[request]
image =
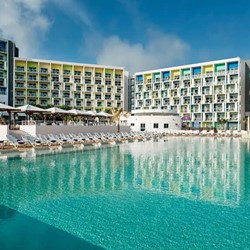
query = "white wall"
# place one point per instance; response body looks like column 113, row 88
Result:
column 174, row 122
column 4, row 130
column 30, row 129
column 66, row 129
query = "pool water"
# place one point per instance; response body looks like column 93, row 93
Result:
column 183, row 193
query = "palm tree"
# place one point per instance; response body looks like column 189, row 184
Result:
column 223, row 122
column 116, row 115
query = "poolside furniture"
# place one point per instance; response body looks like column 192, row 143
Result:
column 203, row 133
column 228, row 133
column 15, row 142
column 236, row 133
column 211, row 133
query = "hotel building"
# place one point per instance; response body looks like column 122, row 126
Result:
column 82, row 86
column 8, row 51
column 209, row 94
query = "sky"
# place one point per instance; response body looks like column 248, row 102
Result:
column 135, row 34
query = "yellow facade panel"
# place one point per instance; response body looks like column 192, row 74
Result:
column 208, row 68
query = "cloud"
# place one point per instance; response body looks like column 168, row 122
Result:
column 75, row 11
column 159, row 50
column 24, row 22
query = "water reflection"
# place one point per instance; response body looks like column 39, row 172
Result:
column 197, row 168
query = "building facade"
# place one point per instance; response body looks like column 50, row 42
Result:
column 154, row 120
column 81, row 86
column 209, row 94
column 131, row 93
column 8, row 51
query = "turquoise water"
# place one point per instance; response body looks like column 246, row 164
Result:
column 183, row 193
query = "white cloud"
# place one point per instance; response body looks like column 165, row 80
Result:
column 160, row 50
column 24, row 22
column 75, row 11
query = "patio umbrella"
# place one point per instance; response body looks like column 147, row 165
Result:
column 56, row 110
column 104, row 114
column 91, row 113
column 30, row 109
column 77, row 112
column 9, row 109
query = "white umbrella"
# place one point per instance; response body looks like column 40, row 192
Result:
column 31, row 109
column 56, row 110
column 92, row 113
column 77, row 112
column 102, row 113
column 4, row 107
column 9, row 109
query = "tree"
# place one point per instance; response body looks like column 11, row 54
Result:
column 223, row 122
column 116, row 115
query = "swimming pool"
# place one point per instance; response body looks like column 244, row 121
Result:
column 183, row 193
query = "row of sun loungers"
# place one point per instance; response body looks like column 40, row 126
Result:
column 52, row 140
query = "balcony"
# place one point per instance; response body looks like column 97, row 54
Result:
column 2, row 49
column 32, row 70
column 19, row 103
column 66, row 72
column 118, row 76
column 20, row 94
column 209, row 73
column 98, row 82
column 197, row 76
column 66, row 96
column 44, row 71
column 44, row 79
column 98, row 75
column 56, row 87
column 186, row 76
column 66, row 80
column 44, row 87
column 20, row 86
column 233, row 118
column 88, row 74
column 31, row 94
column 77, row 73
column 233, row 71
column 88, row 81
column 55, row 72
column 20, row 78
column 32, row 87
column 32, row 79
column 220, row 72
column 77, row 81
column 43, row 95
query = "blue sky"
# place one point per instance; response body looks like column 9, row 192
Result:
column 135, row 34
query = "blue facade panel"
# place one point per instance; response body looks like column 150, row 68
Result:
column 139, row 78
column 196, row 70
column 232, row 65
column 166, row 74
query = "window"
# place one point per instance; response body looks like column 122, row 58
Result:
column 165, row 125
column 142, row 126
column 132, row 124
column 156, row 125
